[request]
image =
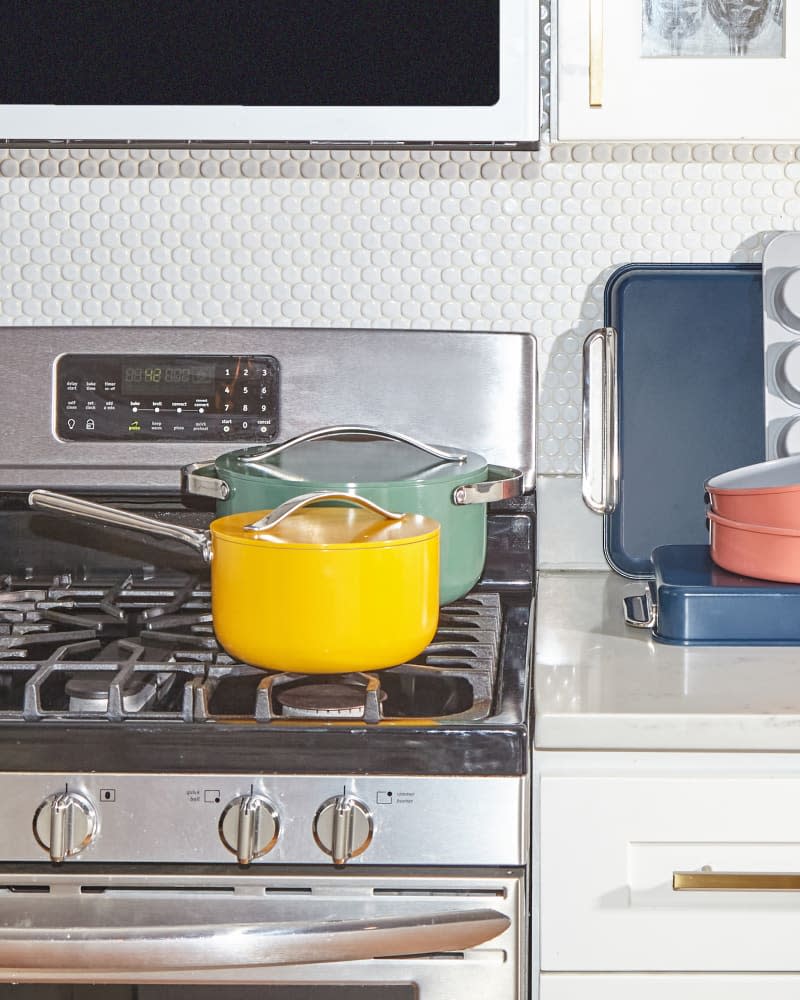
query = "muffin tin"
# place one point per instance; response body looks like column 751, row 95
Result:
column 781, row 274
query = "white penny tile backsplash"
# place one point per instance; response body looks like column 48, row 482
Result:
column 434, row 239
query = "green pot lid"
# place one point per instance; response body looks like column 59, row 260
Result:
column 349, row 463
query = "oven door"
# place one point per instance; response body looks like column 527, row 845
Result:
column 323, row 937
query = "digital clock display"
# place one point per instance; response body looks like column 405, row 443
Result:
column 167, row 380
column 167, row 397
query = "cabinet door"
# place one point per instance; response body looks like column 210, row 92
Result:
column 670, row 874
column 643, row 987
column 676, row 96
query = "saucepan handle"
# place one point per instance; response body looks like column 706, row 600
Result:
column 601, row 448
column 63, row 504
column 344, row 430
column 305, row 499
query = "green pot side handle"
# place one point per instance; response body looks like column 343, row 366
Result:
column 200, row 479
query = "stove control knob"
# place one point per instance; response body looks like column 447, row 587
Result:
column 65, row 824
column 343, row 828
column 249, row 827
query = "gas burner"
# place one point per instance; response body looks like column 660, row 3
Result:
column 353, row 697
column 90, row 693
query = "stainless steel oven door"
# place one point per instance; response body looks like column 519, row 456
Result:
column 161, row 936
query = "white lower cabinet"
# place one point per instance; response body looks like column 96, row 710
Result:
column 554, row 986
column 668, row 863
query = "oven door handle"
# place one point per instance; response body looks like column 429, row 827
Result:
column 210, row 946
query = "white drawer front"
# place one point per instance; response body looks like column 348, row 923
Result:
column 610, row 847
column 564, row 986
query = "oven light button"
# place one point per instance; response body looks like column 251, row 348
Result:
column 65, row 824
column 343, row 828
column 249, row 827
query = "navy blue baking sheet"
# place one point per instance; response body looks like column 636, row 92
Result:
column 691, row 397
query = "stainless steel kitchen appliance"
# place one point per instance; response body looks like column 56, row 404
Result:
column 175, row 822
column 202, row 72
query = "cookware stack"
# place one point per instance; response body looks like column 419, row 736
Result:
column 673, row 399
column 754, row 516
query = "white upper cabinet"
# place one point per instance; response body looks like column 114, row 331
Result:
column 677, row 69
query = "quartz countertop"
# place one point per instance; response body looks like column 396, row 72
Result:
column 600, row 684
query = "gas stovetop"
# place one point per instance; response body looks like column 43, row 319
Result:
column 116, row 659
column 141, row 645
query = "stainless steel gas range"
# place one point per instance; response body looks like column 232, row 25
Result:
column 174, row 821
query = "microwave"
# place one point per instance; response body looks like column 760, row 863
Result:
column 269, row 73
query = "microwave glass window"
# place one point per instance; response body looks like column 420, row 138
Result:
column 356, row 53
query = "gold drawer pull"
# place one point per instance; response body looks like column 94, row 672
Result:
column 735, row 881
column 595, row 53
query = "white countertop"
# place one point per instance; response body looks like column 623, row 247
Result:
column 600, row 684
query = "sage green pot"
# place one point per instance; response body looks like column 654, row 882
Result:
column 448, row 485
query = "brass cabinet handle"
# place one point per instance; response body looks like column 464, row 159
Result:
column 735, row 881
column 595, row 53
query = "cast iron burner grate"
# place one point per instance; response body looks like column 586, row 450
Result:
column 142, row 645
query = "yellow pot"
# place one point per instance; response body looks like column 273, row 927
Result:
column 309, row 590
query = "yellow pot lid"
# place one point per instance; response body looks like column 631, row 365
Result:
column 327, row 527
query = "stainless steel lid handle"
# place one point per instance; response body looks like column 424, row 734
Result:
column 601, row 468
column 343, row 430
column 305, row 499
column 199, row 479
column 60, row 503
column 503, row 484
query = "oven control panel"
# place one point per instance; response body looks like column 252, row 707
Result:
column 269, row 819
column 160, row 397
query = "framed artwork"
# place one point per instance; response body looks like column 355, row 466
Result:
column 677, row 70
column 713, row 28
